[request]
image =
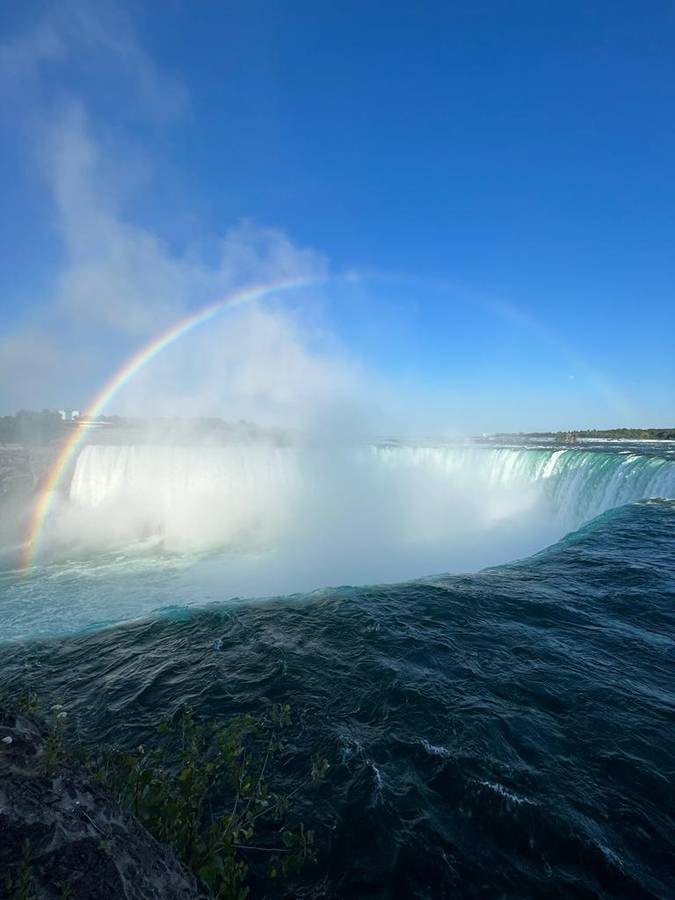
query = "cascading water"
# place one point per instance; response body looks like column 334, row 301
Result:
column 190, row 496
column 241, row 494
column 147, row 526
column 508, row 728
column 577, row 484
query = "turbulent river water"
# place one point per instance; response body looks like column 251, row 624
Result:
column 498, row 732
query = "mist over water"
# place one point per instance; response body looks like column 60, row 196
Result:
column 507, row 733
column 146, row 526
column 407, row 503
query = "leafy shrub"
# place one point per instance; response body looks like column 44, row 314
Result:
column 171, row 791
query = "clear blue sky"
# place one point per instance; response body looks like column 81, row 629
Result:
column 504, row 171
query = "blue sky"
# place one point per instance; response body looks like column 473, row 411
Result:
column 495, row 178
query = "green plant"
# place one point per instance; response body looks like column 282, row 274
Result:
column 320, row 767
column 66, row 891
column 25, row 702
column 20, row 887
column 28, row 702
column 55, row 751
column 172, row 791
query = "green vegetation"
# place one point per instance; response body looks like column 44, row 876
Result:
column 635, row 434
column 28, row 427
column 173, row 789
column 170, row 791
column 19, row 886
column 33, row 428
column 55, row 750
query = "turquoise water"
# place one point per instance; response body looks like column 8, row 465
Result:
column 144, row 528
column 506, row 732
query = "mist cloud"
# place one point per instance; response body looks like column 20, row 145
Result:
column 119, row 282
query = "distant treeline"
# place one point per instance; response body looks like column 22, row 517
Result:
column 45, row 427
column 635, row 434
column 29, row 427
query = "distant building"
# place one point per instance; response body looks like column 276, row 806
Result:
column 69, row 415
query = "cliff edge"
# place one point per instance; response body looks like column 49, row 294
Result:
column 62, row 836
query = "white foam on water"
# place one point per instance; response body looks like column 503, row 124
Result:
column 147, row 527
column 445, row 507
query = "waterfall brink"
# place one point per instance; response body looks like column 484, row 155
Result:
column 575, row 484
column 231, row 493
column 259, row 497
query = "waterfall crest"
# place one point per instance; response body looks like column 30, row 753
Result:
column 255, row 496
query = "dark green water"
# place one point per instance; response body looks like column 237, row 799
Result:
column 508, row 733
column 505, row 734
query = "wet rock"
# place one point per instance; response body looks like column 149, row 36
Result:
column 75, row 841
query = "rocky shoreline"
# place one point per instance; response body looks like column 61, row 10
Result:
column 62, row 836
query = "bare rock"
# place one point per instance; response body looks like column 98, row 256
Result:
column 80, row 843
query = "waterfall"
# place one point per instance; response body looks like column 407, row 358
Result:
column 576, row 484
column 388, row 495
column 187, row 494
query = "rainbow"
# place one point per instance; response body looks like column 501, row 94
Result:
column 118, row 381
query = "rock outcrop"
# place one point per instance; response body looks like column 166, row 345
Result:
column 65, row 837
